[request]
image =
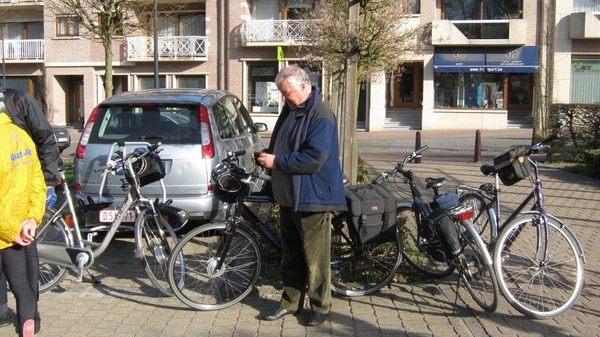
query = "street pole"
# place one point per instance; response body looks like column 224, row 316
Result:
column 156, row 85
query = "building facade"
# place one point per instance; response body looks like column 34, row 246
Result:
column 482, row 68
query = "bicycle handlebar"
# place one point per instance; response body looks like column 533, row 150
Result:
column 536, row 147
column 131, row 157
column 414, row 155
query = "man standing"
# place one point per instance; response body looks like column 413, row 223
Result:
column 303, row 157
column 26, row 113
column 22, row 199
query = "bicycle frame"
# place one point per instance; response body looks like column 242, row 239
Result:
column 79, row 255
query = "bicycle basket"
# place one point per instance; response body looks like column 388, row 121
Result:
column 512, row 165
column 226, row 185
column 148, row 169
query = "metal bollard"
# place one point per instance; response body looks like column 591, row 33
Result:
column 477, row 156
column 418, row 146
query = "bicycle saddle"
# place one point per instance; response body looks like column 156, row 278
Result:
column 434, row 182
column 487, row 170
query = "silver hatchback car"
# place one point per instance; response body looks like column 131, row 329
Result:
column 196, row 127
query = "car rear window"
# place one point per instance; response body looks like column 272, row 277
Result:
column 170, row 125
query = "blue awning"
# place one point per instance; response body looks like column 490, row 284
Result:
column 459, row 60
column 523, row 59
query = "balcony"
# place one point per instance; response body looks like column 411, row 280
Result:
column 276, row 32
column 20, row 4
column 479, row 32
column 174, row 48
column 584, row 25
column 22, row 50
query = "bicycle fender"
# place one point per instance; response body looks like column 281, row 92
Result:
column 469, row 226
column 565, row 228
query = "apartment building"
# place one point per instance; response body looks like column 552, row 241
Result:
column 480, row 70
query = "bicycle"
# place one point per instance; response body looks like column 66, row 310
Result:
column 537, row 258
column 217, row 265
column 430, row 245
column 61, row 242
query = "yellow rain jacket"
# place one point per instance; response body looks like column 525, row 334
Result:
column 22, row 184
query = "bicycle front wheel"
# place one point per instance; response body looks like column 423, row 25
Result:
column 415, row 248
column 154, row 242
column 482, row 215
column 56, row 233
column 360, row 269
column 476, row 269
column 193, row 272
column 538, row 287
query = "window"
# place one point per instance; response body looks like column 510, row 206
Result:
column 191, row 82
column 182, row 25
column 464, row 90
column 231, row 118
column 67, row 25
column 586, row 6
column 296, row 7
column 147, row 82
column 585, row 81
column 262, row 92
column 482, row 9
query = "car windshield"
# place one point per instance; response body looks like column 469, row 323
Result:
column 175, row 124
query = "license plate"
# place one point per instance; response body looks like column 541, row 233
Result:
column 63, row 139
column 108, row 215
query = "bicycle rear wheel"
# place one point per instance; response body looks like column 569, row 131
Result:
column 154, row 243
column 538, row 288
column 415, row 248
column 55, row 233
column 360, row 269
column 476, row 270
column 482, row 215
column 192, row 270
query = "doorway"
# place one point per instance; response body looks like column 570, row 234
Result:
column 405, row 87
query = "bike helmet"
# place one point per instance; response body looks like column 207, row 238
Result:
column 227, row 186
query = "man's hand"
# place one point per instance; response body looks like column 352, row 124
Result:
column 50, row 196
column 266, row 160
column 27, row 234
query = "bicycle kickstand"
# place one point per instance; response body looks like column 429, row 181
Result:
column 456, row 293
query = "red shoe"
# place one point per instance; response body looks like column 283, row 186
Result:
column 28, row 329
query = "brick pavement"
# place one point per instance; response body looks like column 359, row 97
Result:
column 126, row 304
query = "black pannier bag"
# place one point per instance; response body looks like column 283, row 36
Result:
column 512, row 165
column 441, row 234
column 149, row 168
column 372, row 211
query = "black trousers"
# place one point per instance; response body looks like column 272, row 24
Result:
column 14, row 265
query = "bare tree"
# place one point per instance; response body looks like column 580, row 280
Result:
column 109, row 18
column 358, row 40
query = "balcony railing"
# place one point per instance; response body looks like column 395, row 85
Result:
column 169, row 48
column 482, row 32
column 22, row 50
column 19, row 1
column 276, row 32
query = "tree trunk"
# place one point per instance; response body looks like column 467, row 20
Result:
column 108, row 68
column 349, row 151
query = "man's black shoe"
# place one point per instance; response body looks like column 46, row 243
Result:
column 6, row 319
column 316, row 318
column 278, row 314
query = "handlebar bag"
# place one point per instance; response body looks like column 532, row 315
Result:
column 372, row 212
column 512, row 165
column 149, row 169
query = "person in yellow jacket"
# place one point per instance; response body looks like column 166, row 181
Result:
column 22, row 206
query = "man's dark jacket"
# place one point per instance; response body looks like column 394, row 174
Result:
column 26, row 113
column 314, row 161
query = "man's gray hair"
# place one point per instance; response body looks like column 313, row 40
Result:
column 294, row 74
